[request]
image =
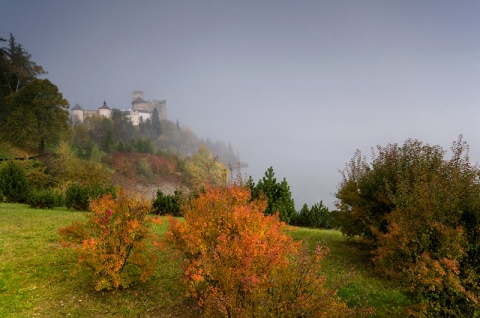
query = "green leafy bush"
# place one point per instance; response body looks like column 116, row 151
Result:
column 421, row 214
column 45, row 199
column 13, row 183
column 67, row 168
column 78, row 196
column 168, row 204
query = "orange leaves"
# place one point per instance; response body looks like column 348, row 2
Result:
column 239, row 262
column 113, row 241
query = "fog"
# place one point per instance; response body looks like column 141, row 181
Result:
column 297, row 85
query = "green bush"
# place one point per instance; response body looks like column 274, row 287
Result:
column 167, row 204
column 14, row 183
column 45, row 199
column 78, row 196
column 421, row 214
column 37, row 174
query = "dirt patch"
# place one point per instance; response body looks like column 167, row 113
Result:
column 148, row 189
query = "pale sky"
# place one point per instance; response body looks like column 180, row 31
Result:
column 297, row 85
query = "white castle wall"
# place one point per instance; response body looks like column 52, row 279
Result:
column 140, row 111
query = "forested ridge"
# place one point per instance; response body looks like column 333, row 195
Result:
column 35, row 124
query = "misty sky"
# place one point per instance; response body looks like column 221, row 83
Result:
column 297, row 85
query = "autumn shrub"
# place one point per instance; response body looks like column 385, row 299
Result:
column 13, row 182
column 203, row 169
column 165, row 204
column 239, row 262
column 45, row 198
column 421, row 214
column 115, row 241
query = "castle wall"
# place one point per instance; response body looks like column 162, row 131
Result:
column 146, row 107
column 89, row 113
column 161, row 106
column 136, row 117
column 105, row 113
column 77, row 116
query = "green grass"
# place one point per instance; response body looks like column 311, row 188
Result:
column 38, row 279
column 350, row 271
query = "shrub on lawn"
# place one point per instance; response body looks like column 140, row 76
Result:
column 78, row 196
column 421, row 214
column 165, row 204
column 13, row 183
column 115, row 241
column 45, row 199
column 239, row 262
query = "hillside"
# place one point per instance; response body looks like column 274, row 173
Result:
column 144, row 174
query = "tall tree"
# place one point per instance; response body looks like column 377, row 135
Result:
column 16, row 70
column 277, row 193
column 21, row 69
column 156, row 125
column 39, row 116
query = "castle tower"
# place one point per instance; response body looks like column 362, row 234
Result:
column 77, row 114
column 137, row 94
column 105, row 111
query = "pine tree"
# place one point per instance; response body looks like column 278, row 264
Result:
column 278, row 195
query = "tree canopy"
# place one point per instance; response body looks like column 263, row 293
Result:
column 38, row 116
column 16, row 70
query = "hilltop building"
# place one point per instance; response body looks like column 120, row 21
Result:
column 141, row 110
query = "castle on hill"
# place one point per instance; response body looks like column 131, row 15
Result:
column 141, row 110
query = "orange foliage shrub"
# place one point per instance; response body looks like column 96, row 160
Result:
column 240, row 263
column 115, row 241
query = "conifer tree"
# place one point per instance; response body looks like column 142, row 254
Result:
column 278, row 194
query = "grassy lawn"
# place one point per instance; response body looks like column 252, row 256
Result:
column 350, row 271
column 38, row 279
